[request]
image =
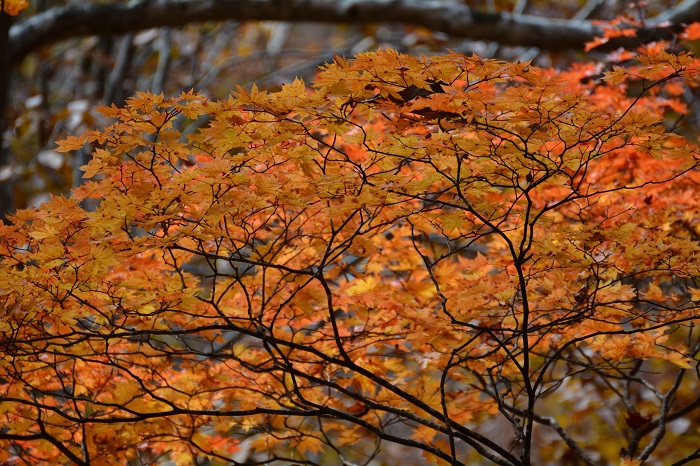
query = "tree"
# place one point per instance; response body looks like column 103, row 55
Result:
column 56, row 80
column 473, row 259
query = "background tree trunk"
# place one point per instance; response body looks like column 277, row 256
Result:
column 6, row 175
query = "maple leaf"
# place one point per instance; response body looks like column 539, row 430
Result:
column 691, row 31
column 630, row 462
column 71, row 143
column 14, row 7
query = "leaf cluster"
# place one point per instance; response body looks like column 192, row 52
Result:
column 413, row 251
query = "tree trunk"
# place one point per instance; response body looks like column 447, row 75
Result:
column 6, row 175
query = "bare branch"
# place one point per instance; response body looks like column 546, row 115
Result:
column 693, row 456
column 455, row 19
column 686, row 12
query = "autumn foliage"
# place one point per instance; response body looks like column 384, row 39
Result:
column 13, row 7
column 475, row 260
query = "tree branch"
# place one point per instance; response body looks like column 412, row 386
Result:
column 685, row 12
column 455, row 19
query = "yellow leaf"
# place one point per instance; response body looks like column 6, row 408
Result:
column 43, row 234
column 362, row 285
column 654, row 293
column 71, row 143
column 694, row 294
column 630, row 462
column 679, row 360
column 395, row 364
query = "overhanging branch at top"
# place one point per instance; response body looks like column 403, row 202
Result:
column 454, row 19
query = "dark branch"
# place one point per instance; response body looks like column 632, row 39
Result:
column 457, row 20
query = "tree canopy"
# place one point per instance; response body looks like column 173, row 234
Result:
column 59, row 59
column 470, row 258
column 451, row 258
